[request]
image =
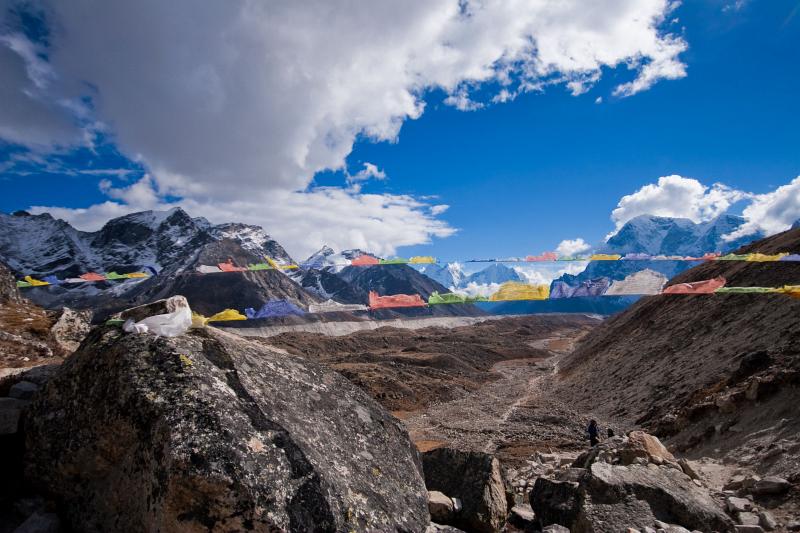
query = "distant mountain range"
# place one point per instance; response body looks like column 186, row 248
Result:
column 173, row 244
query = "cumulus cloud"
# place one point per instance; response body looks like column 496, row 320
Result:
column 771, row 212
column 225, row 101
column 677, row 197
column 572, row 246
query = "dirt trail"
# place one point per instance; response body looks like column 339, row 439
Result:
column 511, row 416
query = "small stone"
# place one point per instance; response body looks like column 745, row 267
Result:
column 440, row 507
column 748, row 529
column 688, row 469
column 771, row 485
column 735, row 483
column 631, row 530
column 24, row 390
column 457, row 505
column 738, row 505
column 747, row 519
column 793, row 526
column 555, row 528
column 697, row 482
column 767, row 521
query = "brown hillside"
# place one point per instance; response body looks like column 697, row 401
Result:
column 716, row 373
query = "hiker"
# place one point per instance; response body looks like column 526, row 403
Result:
column 594, row 433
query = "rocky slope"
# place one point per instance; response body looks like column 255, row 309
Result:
column 212, row 432
column 30, row 335
column 716, row 374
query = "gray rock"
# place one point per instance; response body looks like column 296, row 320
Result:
column 767, row 521
column 71, row 328
column 473, row 477
column 741, row 481
column 670, row 528
column 747, row 519
column 688, row 469
column 748, row 529
column 23, row 390
column 771, row 485
column 440, row 507
column 555, row 528
column 794, row 525
column 522, row 517
column 158, row 307
column 738, row 505
column 40, row 522
column 210, row 431
column 620, row 497
column 10, row 412
column 439, row 528
column 556, row 502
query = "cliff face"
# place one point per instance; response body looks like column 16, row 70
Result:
column 209, row 431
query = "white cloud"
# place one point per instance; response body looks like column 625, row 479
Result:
column 473, row 289
column 437, row 210
column 677, row 197
column 370, row 171
column 572, row 247
column 771, row 212
column 223, row 102
column 302, row 222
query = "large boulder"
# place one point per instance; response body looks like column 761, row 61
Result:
column 211, row 432
column 615, row 497
column 474, row 478
column 643, row 445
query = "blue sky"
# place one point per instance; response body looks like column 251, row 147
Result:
column 522, row 175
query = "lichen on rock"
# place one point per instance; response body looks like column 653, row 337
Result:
column 129, row 437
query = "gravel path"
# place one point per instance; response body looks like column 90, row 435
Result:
column 512, row 416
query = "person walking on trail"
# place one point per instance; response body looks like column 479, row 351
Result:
column 594, row 433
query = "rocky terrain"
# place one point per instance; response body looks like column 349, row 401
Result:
column 716, row 376
column 211, row 432
column 410, row 370
column 30, row 335
column 293, row 430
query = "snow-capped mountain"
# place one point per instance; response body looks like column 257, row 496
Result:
column 41, row 245
column 662, row 236
column 170, row 243
column 327, row 274
column 494, row 273
column 675, row 236
column 449, row 275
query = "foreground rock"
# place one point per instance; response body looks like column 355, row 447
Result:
column 626, row 483
column 212, row 432
column 475, row 479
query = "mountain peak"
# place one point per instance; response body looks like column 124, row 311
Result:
column 672, row 236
